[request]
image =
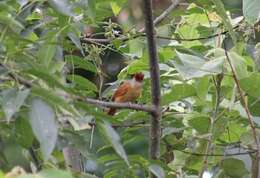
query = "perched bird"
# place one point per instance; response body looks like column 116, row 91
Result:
column 128, row 91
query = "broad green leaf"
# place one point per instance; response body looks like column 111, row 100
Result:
column 202, row 86
column 44, row 126
column 52, row 98
column 11, row 22
column 63, row 7
column 75, row 39
column 199, row 122
column 12, row 100
column 49, row 173
column 47, row 51
column 251, row 11
column 179, row 160
column 23, row 132
column 178, row 92
column 157, row 170
column 82, row 82
column 46, row 77
column 239, row 64
column 114, row 139
column 234, row 167
column 138, row 65
column 115, row 8
column 78, row 62
column 251, row 85
column 223, row 14
column 55, row 173
column 194, row 66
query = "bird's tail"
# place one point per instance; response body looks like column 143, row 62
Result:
column 111, row 111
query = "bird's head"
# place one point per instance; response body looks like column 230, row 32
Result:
column 139, row 76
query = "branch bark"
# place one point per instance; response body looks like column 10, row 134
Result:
column 139, row 107
column 155, row 129
column 256, row 173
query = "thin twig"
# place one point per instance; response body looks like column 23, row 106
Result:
column 245, row 104
column 164, row 14
column 124, row 39
column 155, row 129
column 217, row 155
column 213, row 119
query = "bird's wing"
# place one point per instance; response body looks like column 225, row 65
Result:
column 121, row 90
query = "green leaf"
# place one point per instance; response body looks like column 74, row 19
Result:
column 52, row 98
column 11, row 22
column 62, row 7
column 115, row 8
column 223, row 14
column 194, row 66
column 114, row 139
column 24, row 135
column 82, row 82
column 55, row 173
column 178, row 92
column 75, row 39
column 47, row 51
column 239, row 64
column 157, row 170
column 199, row 122
column 234, row 167
column 46, row 77
column 137, row 66
column 44, row 126
column 78, row 62
column 1, row 174
column 251, row 84
column 12, row 100
column 251, row 11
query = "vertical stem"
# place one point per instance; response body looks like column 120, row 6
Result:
column 217, row 81
column 249, row 116
column 155, row 129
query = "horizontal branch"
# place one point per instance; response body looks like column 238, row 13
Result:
column 139, row 107
column 123, row 39
column 217, row 155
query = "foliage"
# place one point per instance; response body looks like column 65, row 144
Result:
column 41, row 50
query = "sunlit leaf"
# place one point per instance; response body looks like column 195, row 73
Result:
column 115, row 8
column 251, row 11
column 157, row 170
column 194, row 67
column 223, row 14
column 55, row 173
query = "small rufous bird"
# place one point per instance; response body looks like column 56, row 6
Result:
column 128, row 91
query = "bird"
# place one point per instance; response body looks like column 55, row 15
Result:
column 128, row 91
